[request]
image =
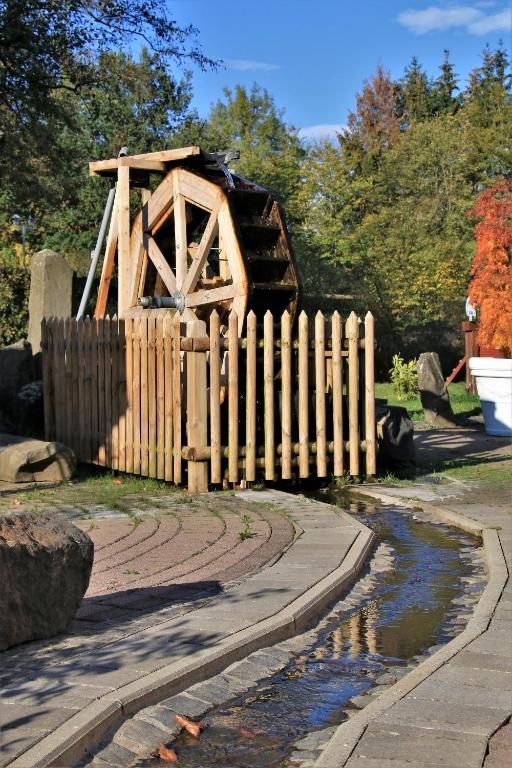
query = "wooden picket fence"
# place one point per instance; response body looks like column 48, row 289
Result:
column 161, row 398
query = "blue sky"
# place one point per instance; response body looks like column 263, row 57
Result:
column 313, row 56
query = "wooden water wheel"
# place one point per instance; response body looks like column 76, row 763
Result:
column 204, row 239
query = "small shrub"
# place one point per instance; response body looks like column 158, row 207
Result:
column 404, row 377
column 14, row 290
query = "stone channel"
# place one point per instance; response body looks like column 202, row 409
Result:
column 280, row 705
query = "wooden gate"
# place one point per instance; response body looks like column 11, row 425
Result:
column 158, row 397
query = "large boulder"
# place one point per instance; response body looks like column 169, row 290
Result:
column 24, row 460
column 45, row 566
column 434, row 392
column 395, row 438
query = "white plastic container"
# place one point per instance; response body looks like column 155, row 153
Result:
column 494, row 384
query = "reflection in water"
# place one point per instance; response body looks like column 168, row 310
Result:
column 399, row 618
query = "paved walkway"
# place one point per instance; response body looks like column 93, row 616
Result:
column 444, row 712
column 176, row 595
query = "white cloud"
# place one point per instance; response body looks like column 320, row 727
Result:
column 494, row 23
column 469, row 17
column 246, row 65
column 324, row 132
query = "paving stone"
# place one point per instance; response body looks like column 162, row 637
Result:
column 161, row 717
column 443, row 747
column 12, row 743
column 212, row 691
column 113, row 755
column 430, row 714
column 183, row 704
column 140, row 737
column 491, row 661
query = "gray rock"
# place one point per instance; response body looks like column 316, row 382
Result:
column 51, row 282
column 45, row 566
column 24, row 459
column 395, row 433
column 433, row 391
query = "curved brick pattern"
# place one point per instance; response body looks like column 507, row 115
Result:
column 138, row 533
column 104, row 533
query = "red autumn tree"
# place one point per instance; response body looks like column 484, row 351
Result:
column 490, row 288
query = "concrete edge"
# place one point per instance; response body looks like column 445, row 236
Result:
column 68, row 743
column 343, row 742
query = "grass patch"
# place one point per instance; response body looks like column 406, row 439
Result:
column 95, row 487
column 464, row 404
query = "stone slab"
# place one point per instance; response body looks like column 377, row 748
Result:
column 406, row 742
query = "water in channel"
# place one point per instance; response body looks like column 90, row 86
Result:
column 416, row 595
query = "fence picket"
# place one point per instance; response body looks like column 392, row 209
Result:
column 144, row 401
column 233, row 398
column 136, row 395
column 303, row 396
column 337, row 394
column 128, row 335
column 286, row 396
column 152, row 392
column 268, row 394
column 168, row 398
column 68, row 381
column 369, row 391
column 321, row 440
column 160, row 403
column 176, row 389
column 101, row 388
column 48, row 400
column 114, row 340
column 352, row 332
column 107, row 332
column 250, row 400
column 215, row 424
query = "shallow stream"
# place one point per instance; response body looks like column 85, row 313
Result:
column 417, row 593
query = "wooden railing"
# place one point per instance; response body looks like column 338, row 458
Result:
column 154, row 396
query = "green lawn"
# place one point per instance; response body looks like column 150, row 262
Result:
column 463, row 403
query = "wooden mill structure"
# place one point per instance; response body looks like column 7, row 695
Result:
column 204, row 238
column 199, row 371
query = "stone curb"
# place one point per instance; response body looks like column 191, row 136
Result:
column 345, row 739
column 68, row 743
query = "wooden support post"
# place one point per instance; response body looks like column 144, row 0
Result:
column 197, row 410
column 303, row 396
column 369, row 391
column 250, row 403
column 268, row 381
column 124, row 267
column 286, row 396
column 352, row 333
column 108, row 263
column 321, row 440
column 337, row 394
column 215, row 426
column 233, row 398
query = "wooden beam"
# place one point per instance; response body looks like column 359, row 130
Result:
column 180, row 237
column 163, row 268
column 108, row 264
column 203, row 250
column 150, row 161
column 210, row 295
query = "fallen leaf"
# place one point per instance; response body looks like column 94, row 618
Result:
column 167, row 754
column 189, row 725
column 117, row 482
column 249, row 733
column 17, row 502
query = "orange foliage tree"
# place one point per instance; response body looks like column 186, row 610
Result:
column 490, row 288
